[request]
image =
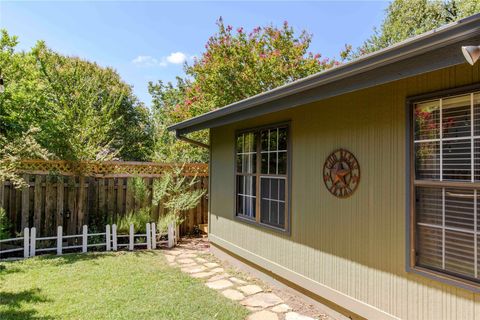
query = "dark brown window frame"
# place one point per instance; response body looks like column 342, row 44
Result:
column 410, row 225
column 258, row 175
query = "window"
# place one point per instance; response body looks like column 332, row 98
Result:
column 446, row 186
column 262, row 176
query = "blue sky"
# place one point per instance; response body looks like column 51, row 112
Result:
column 149, row 41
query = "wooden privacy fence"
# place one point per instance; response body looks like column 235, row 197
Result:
column 93, row 193
column 29, row 245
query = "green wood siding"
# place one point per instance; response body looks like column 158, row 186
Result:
column 355, row 245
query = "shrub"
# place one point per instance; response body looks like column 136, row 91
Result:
column 174, row 191
column 4, row 225
column 138, row 218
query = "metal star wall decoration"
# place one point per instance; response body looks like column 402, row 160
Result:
column 341, row 173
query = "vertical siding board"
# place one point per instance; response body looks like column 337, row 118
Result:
column 72, row 206
column 25, row 202
column 155, row 209
column 198, row 210
column 37, row 202
column 60, row 202
column 120, row 198
column 12, row 208
column 18, row 212
column 92, row 217
column 101, row 197
column 50, row 202
column 80, row 212
column 129, row 197
column 111, row 199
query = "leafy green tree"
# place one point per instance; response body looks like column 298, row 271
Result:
column 235, row 65
column 408, row 18
column 12, row 151
column 84, row 111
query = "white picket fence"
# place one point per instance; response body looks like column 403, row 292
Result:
column 30, row 240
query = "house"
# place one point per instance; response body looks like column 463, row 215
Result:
column 360, row 184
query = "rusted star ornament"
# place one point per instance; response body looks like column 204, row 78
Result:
column 341, row 173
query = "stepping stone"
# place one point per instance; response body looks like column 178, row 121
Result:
column 169, row 258
column 281, row 308
column 233, row 294
column 250, row 289
column 262, row 299
column 237, row 281
column 173, row 252
column 218, row 277
column 217, row 270
column 296, row 316
column 194, row 269
column 185, row 261
column 254, row 309
column 187, row 255
column 219, row 284
column 201, row 274
column 173, row 264
column 201, row 260
column 211, row 264
column 263, row 315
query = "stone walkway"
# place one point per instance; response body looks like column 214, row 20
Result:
column 250, row 292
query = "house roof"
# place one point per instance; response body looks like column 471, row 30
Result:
column 433, row 50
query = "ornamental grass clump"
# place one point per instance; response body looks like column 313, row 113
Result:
column 138, row 217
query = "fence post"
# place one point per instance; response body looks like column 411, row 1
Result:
column 154, row 236
column 176, row 233
column 149, row 235
column 84, row 238
column 59, row 240
column 130, row 242
column 114, row 236
column 33, row 241
column 171, row 235
column 108, row 238
column 26, row 242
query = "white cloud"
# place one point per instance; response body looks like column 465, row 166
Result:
column 177, row 57
column 173, row 58
column 145, row 61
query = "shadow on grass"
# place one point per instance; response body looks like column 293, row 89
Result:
column 8, row 268
column 11, row 304
column 70, row 258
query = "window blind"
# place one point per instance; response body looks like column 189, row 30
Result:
column 447, row 169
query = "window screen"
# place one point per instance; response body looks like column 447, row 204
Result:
column 262, row 166
column 447, row 170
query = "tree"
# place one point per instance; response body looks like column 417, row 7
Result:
column 235, row 65
column 13, row 151
column 408, row 18
column 84, row 111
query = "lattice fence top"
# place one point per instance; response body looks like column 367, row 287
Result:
column 109, row 168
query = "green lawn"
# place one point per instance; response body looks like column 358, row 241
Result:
column 121, row 285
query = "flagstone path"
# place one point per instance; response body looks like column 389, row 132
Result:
column 250, row 292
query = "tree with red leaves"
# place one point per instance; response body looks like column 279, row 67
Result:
column 235, row 65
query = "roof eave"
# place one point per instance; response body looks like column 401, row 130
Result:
column 427, row 42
